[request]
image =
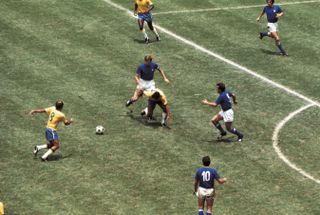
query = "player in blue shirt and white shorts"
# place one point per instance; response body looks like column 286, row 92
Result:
column 144, row 78
column 273, row 13
column 226, row 113
column 204, row 185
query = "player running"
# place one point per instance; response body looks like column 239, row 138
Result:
column 226, row 113
column 144, row 78
column 274, row 12
column 157, row 97
column 143, row 8
column 55, row 117
column 204, row 185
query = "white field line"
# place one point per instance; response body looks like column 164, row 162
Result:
column 275, row 143
column 223, row 59
column 254, row 74
column 232, row 8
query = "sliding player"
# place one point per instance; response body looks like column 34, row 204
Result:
column 144, row 78
column 157, row 97
column 143, row 8
column 204, row 185
column 274, row 12
column 226, row 113
column 55, row 117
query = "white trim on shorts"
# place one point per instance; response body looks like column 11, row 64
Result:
column 272, row 27
column 228, row 116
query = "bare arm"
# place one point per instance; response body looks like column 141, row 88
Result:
column 32, row 112
column 196, row 185
column 234, row 98
column 137, row 78
column 259, row 17
column 68, row 121
column 164, row 76
column 206, row 102
column 280, row 14
column 135, row 9
column 222, row 180
column 169, row 116
column 150, row 8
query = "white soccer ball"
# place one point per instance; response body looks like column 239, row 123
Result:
column 100, row 129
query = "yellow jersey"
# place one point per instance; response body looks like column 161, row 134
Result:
column 55, row 117
column 149, row 93
column 143, row 5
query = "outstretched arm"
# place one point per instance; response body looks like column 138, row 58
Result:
column 280, row 14
column 68, row 121
column 32, row 112
column 206, row 102
column 222, row 180
column 164, row 76
column 259, row 17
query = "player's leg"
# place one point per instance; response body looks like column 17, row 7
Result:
column 209, row 201
column 49, row 137
column 200, row 205
column 276, row 37
column 164, row 114
column 137, row 94
column 151, row 107
column 143, row 31
column 216, row 122
column 153, row 29
column 234, row 131
column 53, row 146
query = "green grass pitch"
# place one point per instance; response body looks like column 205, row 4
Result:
column 86, row 52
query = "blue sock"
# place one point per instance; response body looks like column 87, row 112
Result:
column 236, row 132
column 264, row 34
column 200, row 212
column 279, row 45
column 219, row 127
column 209, row 213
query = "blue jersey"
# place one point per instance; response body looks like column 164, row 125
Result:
column 206, row 177
column 146, row 72
column 224, row 100
column 272, row 13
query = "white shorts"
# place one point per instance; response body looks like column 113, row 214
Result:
column 205, row 193
column 272, row 27
column 146, row 85
column 227, row 115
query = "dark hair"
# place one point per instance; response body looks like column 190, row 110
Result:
column 148, row 58
column 271, row 1
column 206, row 160
column 59, row 105
column 221, row 86
column 156, row 95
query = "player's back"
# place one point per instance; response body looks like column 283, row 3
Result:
column 206, row 177
column 55, row 117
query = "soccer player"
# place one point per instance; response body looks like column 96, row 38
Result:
column 157, row 97
column 226, row 113
column 143, row 8
column 204, row 185
column 273, row 12
column 144, row 78
column 55, row 117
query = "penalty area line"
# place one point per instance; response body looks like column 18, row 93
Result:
column 275, row 142
column 232, row 8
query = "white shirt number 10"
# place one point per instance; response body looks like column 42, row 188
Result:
column 206, row 176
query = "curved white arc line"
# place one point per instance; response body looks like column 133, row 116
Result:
column 275, row 143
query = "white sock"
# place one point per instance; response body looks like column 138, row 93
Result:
column 146, row 110
column 155, row 32
column 49, row 152
column 145, row 35
column 164, row 118
column 44, row 146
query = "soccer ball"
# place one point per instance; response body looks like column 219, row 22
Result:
column 100, row 129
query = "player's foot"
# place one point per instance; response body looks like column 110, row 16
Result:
column 240, row 138
column 284, row 54
column 44, row 159
column 260, row 36
column 163, row 124
column 151, row 119
column 35, row 151
column 143, row 113
column 222, row 135
column 128, row 103
column 158, row 38
column 146, row 40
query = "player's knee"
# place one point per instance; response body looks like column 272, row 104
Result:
column 49, row 145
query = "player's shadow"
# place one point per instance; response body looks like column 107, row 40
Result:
column 265, row 51
column 142, row 41
column 221, row 141
column 153, row 124
column 58, row 157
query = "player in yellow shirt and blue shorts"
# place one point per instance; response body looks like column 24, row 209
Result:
column 55, row 117
column 143, row 8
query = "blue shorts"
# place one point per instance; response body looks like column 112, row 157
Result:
column 51, row 134
column 145, row 16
